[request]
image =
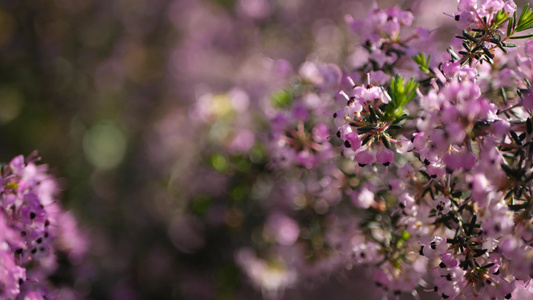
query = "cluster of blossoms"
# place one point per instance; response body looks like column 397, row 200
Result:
column 462, row 159
column 427, row 181
column 33, row 230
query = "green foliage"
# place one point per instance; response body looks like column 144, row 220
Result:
column 475, row 40
column 525, row 21
column 405, row 235
column 422, row 61
column 227, row 278
column 281, row 99
column 219, row 162
column 200, row 205
column 522, row 37
column 518, row 24
column 227, row 4
column 400, row 94
column 500, row 18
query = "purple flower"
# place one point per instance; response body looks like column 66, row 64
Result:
column 529, row 48
column 285, row 230
column 435, row 171
column 243, row 141
column 353, row 141
column 527, row 101
column 404, row 145
column 17, row 165
column 320, row 133
column 500, row 128
column 299, row 112
column 364, row 158
column 29, row 230
column 11, row 274
column 385, row 157
column 466, row 5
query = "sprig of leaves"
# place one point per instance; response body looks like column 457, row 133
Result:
column 524, row 22
column 281, row 99
column 500, row 18
column 400, row 94
column 422, row 61
column 478, row 43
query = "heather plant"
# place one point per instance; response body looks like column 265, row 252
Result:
column 35, row 231
column 415, row 164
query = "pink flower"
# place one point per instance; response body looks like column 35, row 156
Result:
column 364, row 158
column 404, row 145
column 299, row 112
column 435, row 172
column 434, row 248
column 385, row 157
column 243, row 141
column 527, row 101
column 306, row 159
column 17, row 165
column 466, row 5
column 285, row 230
column 500, row 128
column 320, row 133
column 353, row 141
column 529, row 48
column 29, row 243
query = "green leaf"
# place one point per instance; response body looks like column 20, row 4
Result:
column 469, row 37
column 504, row 95
column 510, row 26
column 488, row 59
column 401, row 118
column 281, row 99
column 373, row 116
column 487, row 52
column 401, row 93
column 487, row 266
column 479, row 252
column 500, row 18
column 453, row 54
column 524, row 13
column 472, row 225
column 422, row 61
column 386, row 142
column 405, row 235
column 365, row 129
column 501, row 46
column 200, row 205
column 527, row 27
column 525, row 21
column 517, row 207
column 521, row 37
column 219, row 162
column 366, row 139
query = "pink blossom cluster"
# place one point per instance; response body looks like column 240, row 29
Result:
column 426, row 182
column 33, row 230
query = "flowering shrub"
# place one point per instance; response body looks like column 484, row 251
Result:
column 427, row 181
column 33, row 231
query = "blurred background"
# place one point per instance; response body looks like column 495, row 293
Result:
column 108, row 92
